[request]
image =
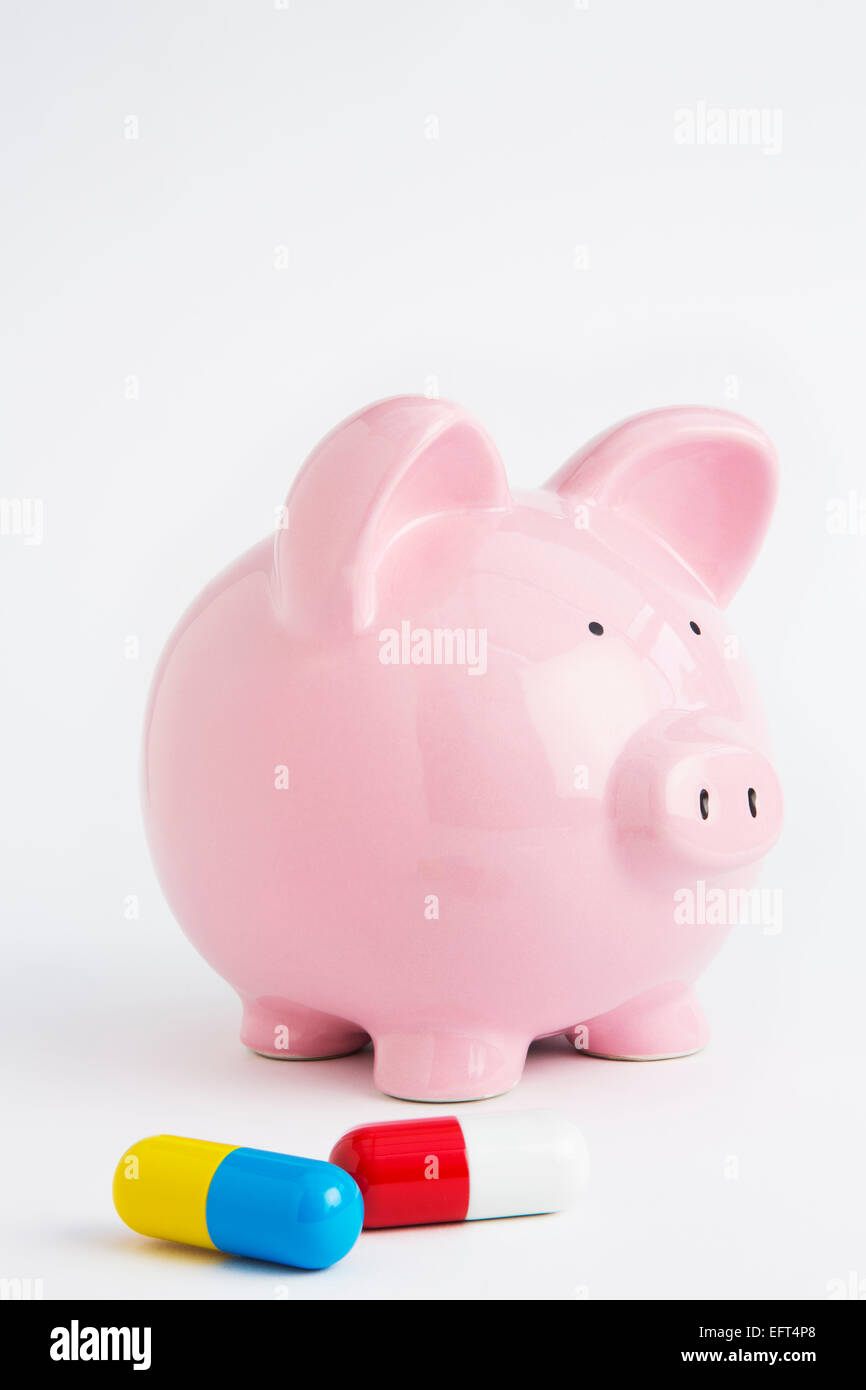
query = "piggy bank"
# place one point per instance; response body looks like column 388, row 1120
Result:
column 452, row 768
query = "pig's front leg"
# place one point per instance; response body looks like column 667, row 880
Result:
column 291, row 1032
column 446, row 1066
column 663, row 1022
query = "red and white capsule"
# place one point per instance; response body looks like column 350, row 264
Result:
column 412, row 1172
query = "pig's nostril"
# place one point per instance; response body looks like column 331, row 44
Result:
column 753, row 801
column 705, row 803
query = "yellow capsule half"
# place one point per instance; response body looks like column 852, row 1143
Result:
column 161, row 1184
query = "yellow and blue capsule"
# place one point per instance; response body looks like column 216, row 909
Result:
column 268, row 1206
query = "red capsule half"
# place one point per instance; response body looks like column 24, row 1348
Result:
column 410, row 1171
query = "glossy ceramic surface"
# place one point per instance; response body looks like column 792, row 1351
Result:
column 439, row 765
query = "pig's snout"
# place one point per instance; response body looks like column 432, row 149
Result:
column 721, row 804
column 710, row 802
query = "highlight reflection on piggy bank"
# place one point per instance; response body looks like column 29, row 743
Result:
column 439, row 766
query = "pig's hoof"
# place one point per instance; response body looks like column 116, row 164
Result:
column 447, row 1067
column 290, row 1032
column 663, row 1022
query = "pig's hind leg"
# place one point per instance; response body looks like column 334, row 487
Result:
column 663, row 1022
column 447, row 1066
column 291, row 1032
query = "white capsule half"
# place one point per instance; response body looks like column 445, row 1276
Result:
column 523, row 1163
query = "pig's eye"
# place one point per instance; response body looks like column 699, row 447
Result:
column 596, row 629
column 694, row 627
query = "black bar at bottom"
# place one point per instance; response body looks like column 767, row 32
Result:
column 275, row 1337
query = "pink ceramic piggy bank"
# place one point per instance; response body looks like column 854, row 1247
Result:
column 441, row 765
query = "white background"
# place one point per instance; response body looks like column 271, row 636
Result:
column 185, row 314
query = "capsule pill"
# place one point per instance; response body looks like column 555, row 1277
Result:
column 412, row 1172
column 268, row 1206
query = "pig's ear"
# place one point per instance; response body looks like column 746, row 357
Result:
column 376, row 474
column 704, row 481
